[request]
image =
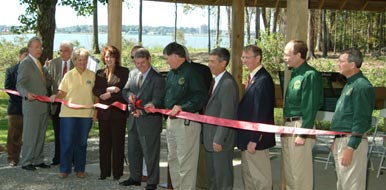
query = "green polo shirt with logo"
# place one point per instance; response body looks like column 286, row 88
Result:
column 353, row 112
column 185, row 87
column 304, row 95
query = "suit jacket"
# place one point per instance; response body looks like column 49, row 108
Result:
column 257, row 106
column 151, row 91
column 29, row 79
column 14, row 101
column 119, row 80
column 222, row 103
column 55, row 72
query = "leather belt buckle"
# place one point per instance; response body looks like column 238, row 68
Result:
column 291, row 119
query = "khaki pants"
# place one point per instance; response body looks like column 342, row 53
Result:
column 351, row 177
column 15, row 131
column 297, row 161
column 183, row 146
column 256, row 170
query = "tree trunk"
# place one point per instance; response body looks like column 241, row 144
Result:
column 95, row 28
column 248, row 23
column 319, row 36
column 311, row 34
column 218, row 27
column 344, row 30
column 368, row 33
column 175, row 24
column 257, row 25
column 266, row 19
column 209, row 29
column 335, row 33
column 46, row 27
column 229, row 13
column 275, row 19
column 140, row 22
column 324, row 27
column 381, row 31
column 352, row 29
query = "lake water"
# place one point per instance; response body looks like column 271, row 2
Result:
column 85, row 40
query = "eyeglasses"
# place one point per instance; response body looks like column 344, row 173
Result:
column 247, row 57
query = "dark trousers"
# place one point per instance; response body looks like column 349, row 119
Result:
column 56, row 125
column 15, row 131
column 112, row 146
column 139, row 147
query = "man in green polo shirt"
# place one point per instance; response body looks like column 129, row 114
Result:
column 303, row 98
column 185, row 91
column 353, row 114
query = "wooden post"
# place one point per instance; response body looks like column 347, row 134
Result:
column 237, row 42
column 114, row 11
column 297, row 28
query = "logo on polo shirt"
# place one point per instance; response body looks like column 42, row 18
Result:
column 297, row 85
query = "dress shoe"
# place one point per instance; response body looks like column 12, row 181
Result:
column 55, row 163
column 150, row 187
column 144, row 178
column 12, row 163
column 29, row 167
column 63, row 175
column 80, row 174
column 117, row 178
column 130, row 182
column 102, row 178
column 42, row 165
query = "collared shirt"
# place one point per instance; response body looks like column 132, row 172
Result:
column 304, row 95
column 353, row 112
column 185, row 87
column 216, row 80
column 253, row 73
column 36, row 61
column 78, row 87
column 144, row 75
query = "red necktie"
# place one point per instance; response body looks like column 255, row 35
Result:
column 64, row 69
column 248, row 80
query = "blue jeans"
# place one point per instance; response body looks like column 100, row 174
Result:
column 73, row 143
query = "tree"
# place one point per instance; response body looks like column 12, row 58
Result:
column 311, row 34
column 39, row 18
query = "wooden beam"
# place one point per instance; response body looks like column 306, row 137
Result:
column 343, row 4
column 276, row 3
column 365, row 5
column 237, row 41
column 321, row 3
column 114, row 29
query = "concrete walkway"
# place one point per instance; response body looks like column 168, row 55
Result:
column 46, row 179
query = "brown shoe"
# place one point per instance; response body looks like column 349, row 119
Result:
column 80, row 174
column 63, row 175
column 144, row 178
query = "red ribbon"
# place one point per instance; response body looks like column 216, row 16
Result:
column 200, row 118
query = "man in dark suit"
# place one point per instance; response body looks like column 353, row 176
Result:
column 256, row 106
column 219, row 141
column 33, row 80
column 14, row 111
column 57, row 68
column 147, row 87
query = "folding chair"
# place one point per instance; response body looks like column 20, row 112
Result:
column 324, row 142
column 373, row 145
column 383, row 158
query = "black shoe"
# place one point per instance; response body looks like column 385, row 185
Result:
column 102, row 178
column 151, row 187
column 42, row 165
column 29, row 167
column 55, row 163
column 130, row 182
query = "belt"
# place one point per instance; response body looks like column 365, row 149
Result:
column 340, row 136
column 291, row 119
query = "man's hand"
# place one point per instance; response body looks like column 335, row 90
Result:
column 52, row 98
column 31, row 96
column 347, row 156
column 132, row 99
column 299, row 141
column 176, row 109
column 251, row 147
column 147, row 106
column 47, row 63
column 217, row 147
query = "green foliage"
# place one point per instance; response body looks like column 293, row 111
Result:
column 272, row 55
column 10, row 51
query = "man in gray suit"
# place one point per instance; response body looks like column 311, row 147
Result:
column 145, row 88
column 57, row 68
column 32, row 80
column 219, row 141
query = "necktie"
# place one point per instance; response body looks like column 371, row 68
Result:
column 140, row 80
column 64, row 69
column 211, row 88
column 247, row 82
column 40, row 69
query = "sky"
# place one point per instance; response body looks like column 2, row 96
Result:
column 154, row 14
